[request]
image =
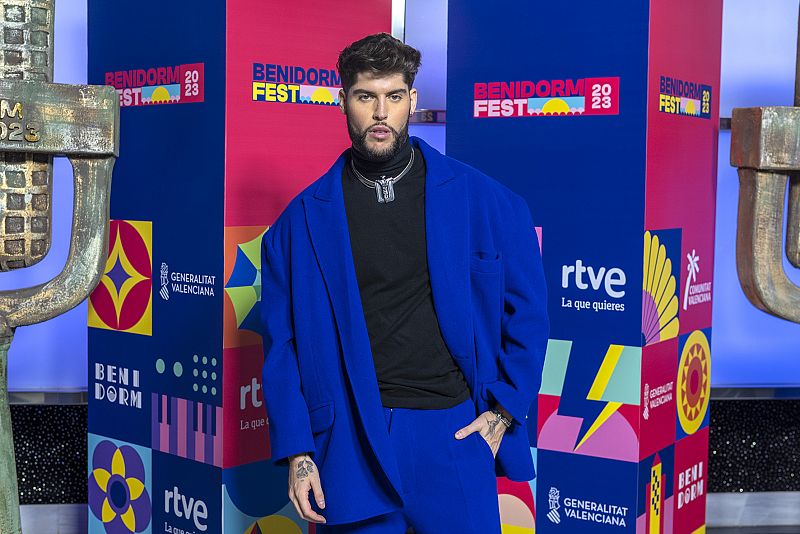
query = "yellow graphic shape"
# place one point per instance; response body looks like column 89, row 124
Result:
column 277, row 524
column 660, row 285
column 555, row 105
column 655, row 499
column 511, row 529
column 607, row 412
column 159, row 95
column 694, row 382
column 129, row 519
column 322, row 95
column 690, row 107
column 701, row 530
column 604, row 374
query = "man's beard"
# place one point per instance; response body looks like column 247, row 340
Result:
column 359, row 139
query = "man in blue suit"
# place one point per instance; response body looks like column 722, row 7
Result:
column 405, row 324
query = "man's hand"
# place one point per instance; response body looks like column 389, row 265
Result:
column 489, row 427
column 304, row 477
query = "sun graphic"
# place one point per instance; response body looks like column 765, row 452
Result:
column 322, row 96
column 160, row 95
column 690, row 108
column 555, row 106
column 659, row 299
column 694, row 384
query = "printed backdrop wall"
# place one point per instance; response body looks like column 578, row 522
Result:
column 227, row 112
column 606, row 119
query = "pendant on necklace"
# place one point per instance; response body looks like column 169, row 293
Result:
column 384, row 188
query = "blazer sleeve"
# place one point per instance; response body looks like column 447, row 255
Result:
column 525, row 327
column 289, row 423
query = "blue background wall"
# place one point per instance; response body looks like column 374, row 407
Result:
column 750, row 348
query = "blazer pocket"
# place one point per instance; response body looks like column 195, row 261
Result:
column 321, row 417
column 485, row 262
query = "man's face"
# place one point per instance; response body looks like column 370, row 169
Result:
column 378, row 109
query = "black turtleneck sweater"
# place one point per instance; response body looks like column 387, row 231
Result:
column 413, row 365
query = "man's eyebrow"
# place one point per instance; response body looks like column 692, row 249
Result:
column 365, row 92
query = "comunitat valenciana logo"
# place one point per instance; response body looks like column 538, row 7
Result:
column 172, row 84
column 681, row 97
column 541, row 98
column 695, row 292
column 295, row 84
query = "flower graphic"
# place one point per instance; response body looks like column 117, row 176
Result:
column 117, row 493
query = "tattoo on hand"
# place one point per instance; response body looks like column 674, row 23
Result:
column 492, row 425
column 304, row 468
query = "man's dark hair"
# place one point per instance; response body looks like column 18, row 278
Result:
column 379, row 54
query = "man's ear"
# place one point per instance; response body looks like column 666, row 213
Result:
column 341, row 101
column 413, row 97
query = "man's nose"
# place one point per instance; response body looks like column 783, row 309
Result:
column 380, row 111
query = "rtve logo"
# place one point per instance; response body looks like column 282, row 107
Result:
column 252, row 388
column 611, row 280
column 193, row 510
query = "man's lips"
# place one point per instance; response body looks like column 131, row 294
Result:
column 380, row 132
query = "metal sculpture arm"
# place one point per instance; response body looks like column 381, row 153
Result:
column 765, row 146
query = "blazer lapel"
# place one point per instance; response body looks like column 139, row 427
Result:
column 447, row 231
column 330, row 237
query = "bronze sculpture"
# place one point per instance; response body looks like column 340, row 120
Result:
column 38, row 120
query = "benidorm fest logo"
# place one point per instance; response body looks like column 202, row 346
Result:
column 176, row 84
column 541, row 98
column 680, row 97
column 295, row 84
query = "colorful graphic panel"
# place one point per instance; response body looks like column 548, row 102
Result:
column 187, row 493
column 659, row 362
column 242, row 323
column 691, row 482
column 246, row 424
column 123, row 300
column 693, row 389
column 603, row 421
column 660, row 308
column 654, row 514
column 120, row 487
column 119, row 404
column 585, row 494
column 255, row 501
column 517, row 507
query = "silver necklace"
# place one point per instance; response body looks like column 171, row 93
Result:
column 384, row 187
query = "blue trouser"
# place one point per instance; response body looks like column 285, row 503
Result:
column 449, row 485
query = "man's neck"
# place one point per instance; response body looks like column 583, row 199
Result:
column 375, row 169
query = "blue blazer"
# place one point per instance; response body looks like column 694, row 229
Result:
column 320, row 387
